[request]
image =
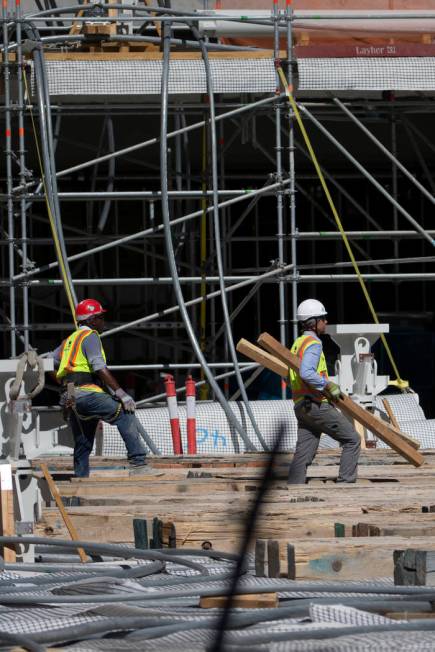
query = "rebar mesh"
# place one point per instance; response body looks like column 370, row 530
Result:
column 366, row 73
column 143, row 77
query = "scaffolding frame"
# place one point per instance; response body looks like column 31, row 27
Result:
column 21, row 274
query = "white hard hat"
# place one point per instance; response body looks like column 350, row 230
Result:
column 309, row 309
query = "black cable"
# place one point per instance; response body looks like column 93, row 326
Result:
column 249, row 529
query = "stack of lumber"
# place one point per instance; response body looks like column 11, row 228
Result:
column 339, row 531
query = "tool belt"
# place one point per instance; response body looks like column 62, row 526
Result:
column 68, row 400
column 80, row 378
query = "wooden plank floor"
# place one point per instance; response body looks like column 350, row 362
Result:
column 207, row 499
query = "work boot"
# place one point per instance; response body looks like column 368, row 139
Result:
column 143, row 467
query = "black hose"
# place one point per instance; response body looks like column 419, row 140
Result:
column 250, row 522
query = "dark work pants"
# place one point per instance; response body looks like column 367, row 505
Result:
column 90, row 408
column 313, row 419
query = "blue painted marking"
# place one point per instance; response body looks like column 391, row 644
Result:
column 216, row 437
column 204, row 436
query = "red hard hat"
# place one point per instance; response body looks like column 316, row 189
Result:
column 88, row 308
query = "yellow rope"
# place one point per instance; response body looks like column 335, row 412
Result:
column 203, row 392
column 50, row 215
column 402, row 384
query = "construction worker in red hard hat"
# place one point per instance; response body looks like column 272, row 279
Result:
column 313, row 396
column 81, row 360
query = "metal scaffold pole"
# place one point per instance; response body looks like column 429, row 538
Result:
column 23, row 176
column 9, row 179
column 279, row 193
column 292, row 175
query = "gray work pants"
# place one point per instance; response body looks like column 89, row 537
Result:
column 313, row 419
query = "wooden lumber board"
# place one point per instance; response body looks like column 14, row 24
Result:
column 7, row 515
column 221, row 536
column 375, row 456
column 378, row 427
column 319, row 558
column 414, row 567
column 390, row 413
column 282, row 515
column 196, row 526
column 347, row 559
column 280, row 474
column 363, row 500
column 396, row 529
column 197, row 491
column 359, row 428
column 276, row 509
column 65, row 516
column 327, row 473
column 155, row 56
column 241, row 601
column 77, row 26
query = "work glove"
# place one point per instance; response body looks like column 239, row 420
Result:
column 127, row 402
column 332, row 391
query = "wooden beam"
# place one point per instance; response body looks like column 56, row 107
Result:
column 273, row 563
column 265, row 359
column 76, row 27
column 260, row 557
column 66, row 519
column 361, row 431
column 248, row 601
column 378, row 427
column 391, row 416
column 150, row 56
column 7, row 516
column 140, row 531
column 414, row 567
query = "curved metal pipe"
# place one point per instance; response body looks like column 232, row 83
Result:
column 216, row 225
column 47, row 152
column 111, row 549
column 111, row 146
column 23, row 641
column 170, row 249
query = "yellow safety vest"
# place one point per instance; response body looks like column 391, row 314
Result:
column 300, row 389
column 73, row 359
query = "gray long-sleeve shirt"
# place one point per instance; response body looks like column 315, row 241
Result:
column 309, row 364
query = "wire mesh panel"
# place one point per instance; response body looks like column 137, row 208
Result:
column 214, row 433
column 216, row 436
column 371, row 74
column 405, row 407
column 143, row 77
column 410, row 418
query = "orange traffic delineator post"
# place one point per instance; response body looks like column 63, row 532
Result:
column 191, row 415
column 171, row 398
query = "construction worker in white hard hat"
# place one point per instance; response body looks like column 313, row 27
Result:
column 314, row 396
column 80, row 362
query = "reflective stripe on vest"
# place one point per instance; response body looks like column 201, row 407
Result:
column 73, row 360
column 299, row 388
